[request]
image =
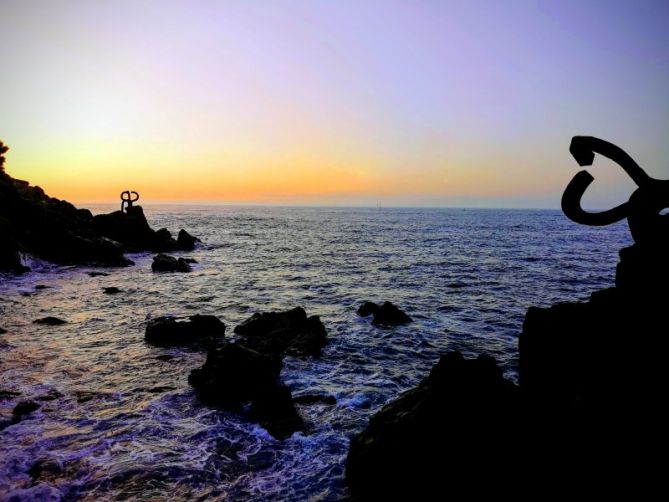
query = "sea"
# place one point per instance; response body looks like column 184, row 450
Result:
column 118, row 419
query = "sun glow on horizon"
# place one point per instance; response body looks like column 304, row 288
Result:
column 408, row 103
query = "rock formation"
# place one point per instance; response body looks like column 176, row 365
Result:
column 166, row 263
column 33, row 223
column 169, row 331
column 290, row 332
column 234, row 375
column 384, row 315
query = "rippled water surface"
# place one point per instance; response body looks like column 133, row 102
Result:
column 118, row 417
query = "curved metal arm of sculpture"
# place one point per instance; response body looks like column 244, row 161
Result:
column 571, row 204
column 644, row 210
column 583, row 149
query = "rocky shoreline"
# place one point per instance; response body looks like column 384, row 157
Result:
column 32, row 223
column 591, row 380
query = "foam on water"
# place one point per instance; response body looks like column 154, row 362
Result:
column 122, row 423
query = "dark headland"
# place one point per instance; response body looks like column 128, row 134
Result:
column 32, row 223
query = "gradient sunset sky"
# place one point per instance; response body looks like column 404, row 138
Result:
column 449, row 103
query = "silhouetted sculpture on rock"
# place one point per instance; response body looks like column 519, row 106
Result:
column 642, row 210
column 127, row 200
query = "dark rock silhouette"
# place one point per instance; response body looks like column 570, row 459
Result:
column 171, row 331
column 50, row 321
column 384, row 315
column 23, row 409
column 273, row 408
column 453, row 426
column 234, row 375
column 2, row 331
column 186, row 241
column 290, row 332
column 588, row 413
column 112, row 290
column 166, row 263
column 133, row 231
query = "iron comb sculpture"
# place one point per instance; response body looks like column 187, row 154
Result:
column 127, row 200
column 644, row 208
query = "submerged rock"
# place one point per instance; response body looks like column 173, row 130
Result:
column 384, row 315
column 290, row 332
column 171, row 331
column 46, row 468
column 453, row 428
column 50, row 321
column 166, row 263
column 98, row 274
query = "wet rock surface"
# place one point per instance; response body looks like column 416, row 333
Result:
column 290, row 332
column 448, row 428
column 200, row 329
column 384, row 315
column 234, row 375
column 166, row 263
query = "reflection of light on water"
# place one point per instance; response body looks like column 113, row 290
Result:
column 467, row 277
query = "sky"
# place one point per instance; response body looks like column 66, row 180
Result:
column 394, row 103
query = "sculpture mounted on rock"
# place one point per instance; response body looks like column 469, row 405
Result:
column 127, row 199
column 643, row 210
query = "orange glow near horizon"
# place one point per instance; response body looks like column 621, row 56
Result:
column 335, row 103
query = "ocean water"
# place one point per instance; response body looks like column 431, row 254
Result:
column 122, row 423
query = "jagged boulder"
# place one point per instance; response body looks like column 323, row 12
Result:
column 186, row 241
column 233, row 374
column 169, row 331
column 456, row 427
column 166, row 263
column 131, row 229
column 274, row 409
column 291, row 332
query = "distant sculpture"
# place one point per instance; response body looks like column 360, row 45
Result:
column 127, row 200
column 643, row 210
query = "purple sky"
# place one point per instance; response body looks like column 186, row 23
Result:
column 331, row 102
